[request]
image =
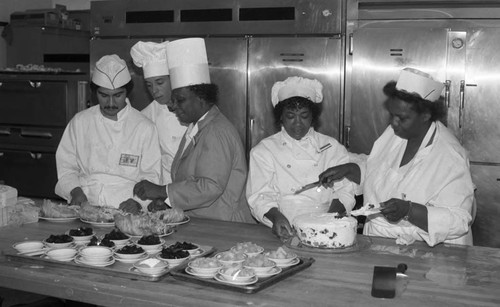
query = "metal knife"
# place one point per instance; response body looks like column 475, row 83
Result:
column 307, row 187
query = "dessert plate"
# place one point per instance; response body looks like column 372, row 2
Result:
column 191, row 272
column 367, row 210
column 184, row 221
column 126, row 260
column 99, row 224
column 79, row 260
column 289, row 264
column 171, row 231
column 58, row 219
column 135, row 270
column 252, row 280
column 274, row 271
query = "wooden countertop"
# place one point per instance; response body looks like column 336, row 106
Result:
column 439, row 276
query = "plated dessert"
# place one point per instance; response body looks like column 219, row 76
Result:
column 149, row 223
column 52, row 211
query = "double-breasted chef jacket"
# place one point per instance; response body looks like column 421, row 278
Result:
column 106, row 158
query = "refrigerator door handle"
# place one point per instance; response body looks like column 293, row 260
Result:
column 462, row 102
column 447, row 86
column 351, row 44
column 250, row 139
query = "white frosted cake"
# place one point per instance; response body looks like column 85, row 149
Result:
column 326, row 230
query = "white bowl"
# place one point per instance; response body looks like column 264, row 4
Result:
column 151, row 266
column 260, row 264
column 128, row 255
column 120, row 243
column 248, row 248
column 62, row 254
column 79, row 239
column 96, row 254
column 229, row 258
column 236, row 273
column 28, row 246
column 281, row 259
column 58, row 245
column 152, row 248
column 173, row 261
column 205, row 266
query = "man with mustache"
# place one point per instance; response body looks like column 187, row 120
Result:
column 109, row 147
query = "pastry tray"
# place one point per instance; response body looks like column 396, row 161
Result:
column 179, row 273
column 117, row 269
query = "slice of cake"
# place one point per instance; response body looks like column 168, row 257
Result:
column 326, row 230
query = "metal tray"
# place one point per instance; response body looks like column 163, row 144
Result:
column 117, row 269
column 179, row 273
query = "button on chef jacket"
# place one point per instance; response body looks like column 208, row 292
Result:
column 106, row 158
column 170, row 132
column 280, row 164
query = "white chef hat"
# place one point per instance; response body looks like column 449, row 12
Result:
column 412, row 80
column 311, row 89
column 111, row 72
column 152, row 57
column 188, row 63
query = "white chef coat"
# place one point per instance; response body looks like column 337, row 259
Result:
column 437, row 177
column 170, row 132
column 279, row 165
column 106, row 158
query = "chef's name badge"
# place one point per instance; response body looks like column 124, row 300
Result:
column 129, row 160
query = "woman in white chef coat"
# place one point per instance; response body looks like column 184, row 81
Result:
column 109, row 147
column 294, row 157
column 152, row 57
column 417, row 170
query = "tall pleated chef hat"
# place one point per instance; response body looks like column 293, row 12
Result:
column 152, row 57
column 188, row 62
column 412, row 80
column 111, row 72
column 311, row 89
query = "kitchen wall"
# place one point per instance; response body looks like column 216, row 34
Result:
column 7, row 7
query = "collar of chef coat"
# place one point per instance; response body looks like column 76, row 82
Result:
column 307, row 144
column 121, row 114
column 308, row 140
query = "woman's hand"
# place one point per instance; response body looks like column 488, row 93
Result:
column 394, row 209
column 77, row 197
column 281, row 227
column 130, row 206
column 350, row 171
column 148, row 190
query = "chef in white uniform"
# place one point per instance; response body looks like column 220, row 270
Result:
column 417, row 170
column 294, row 157
column 109, row 147
column 152, row 57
